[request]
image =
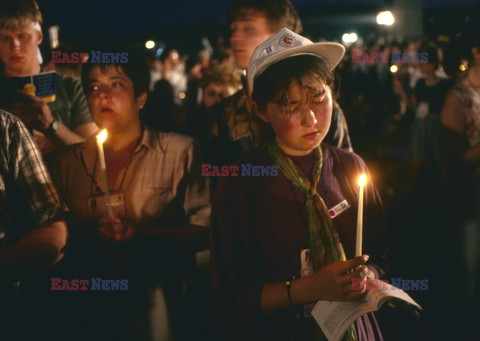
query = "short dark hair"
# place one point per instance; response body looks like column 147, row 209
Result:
column 279, row 13
column 135, row 69
column 274, row 82
column 17, row 13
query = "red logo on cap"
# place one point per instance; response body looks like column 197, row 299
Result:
column 288, row 40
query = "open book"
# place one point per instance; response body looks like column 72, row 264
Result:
column 42, row 85
column 335, row 317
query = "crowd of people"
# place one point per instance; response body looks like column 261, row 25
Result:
column 238, row 257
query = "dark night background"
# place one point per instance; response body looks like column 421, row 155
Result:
column 181, row 24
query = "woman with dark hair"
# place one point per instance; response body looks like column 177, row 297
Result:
column 275, row 248
column 160, row 206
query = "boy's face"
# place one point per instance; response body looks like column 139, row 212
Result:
column 18, row 50
column 248, row 31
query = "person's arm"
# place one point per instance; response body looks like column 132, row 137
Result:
column 36, row 251
column 331, row 283
column 36, row 114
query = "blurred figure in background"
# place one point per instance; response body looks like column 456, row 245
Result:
column 162, row 113
column 428, row 98
column 173, row 70
column 461, row 118
column 217, row 84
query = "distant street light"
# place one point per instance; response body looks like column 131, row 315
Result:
column 150, row 44
column 349, row 38
column 385, row 18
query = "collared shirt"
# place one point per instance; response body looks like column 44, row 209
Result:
column 28, row 197
column 162, row 184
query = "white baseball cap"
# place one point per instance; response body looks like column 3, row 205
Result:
column 287, row 44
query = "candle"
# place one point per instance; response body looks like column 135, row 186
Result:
column 362, row 179
column 101, row 137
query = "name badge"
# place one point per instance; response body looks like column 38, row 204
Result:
column 338, row 209
column 97, row 205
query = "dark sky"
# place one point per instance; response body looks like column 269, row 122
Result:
column 84, row 21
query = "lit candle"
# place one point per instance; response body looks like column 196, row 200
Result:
column 362, row 179
column 101, row 137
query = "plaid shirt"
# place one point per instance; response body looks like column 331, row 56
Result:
column 27, row 195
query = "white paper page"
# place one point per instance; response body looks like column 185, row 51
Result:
column 335, row 317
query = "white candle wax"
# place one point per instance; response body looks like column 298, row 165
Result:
column 358, row 245
column 101, row 137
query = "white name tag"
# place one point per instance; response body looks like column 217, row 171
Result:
column 338, row 209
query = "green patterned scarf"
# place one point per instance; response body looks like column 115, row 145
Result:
column 325, row 246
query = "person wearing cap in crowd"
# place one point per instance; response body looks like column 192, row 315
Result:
column 231, row 121
column 274, row 248
column 33, row 232
column 65, row 121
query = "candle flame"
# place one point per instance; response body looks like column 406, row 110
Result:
column 362, row 180
column 102, row 136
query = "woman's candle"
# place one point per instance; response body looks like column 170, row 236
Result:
column 362, row 180
column 101, row 137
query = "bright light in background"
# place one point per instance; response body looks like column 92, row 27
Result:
column 393, row 68
column 462, row 67
column 349, row 38
column 150, row 44
column 53, row 35
column 385, row 18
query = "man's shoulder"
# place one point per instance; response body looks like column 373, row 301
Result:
column 7, row 118
column 9, row 122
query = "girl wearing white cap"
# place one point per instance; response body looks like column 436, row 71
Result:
column 280, row 243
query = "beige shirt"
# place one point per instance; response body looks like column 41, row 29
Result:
column 161, row 186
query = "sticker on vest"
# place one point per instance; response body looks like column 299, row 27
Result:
column 338, row 209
